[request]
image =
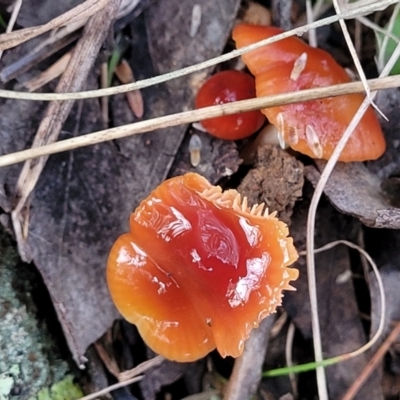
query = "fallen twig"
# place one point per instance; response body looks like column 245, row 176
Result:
column 195, row 115
column 375, row 360
column 193, row 68
column 73, row 79
column 247, row 371
column 82, row 11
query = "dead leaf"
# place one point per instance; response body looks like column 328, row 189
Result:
column 354, row 190
column 73, row 79
column 135, row 99
column 84, row 197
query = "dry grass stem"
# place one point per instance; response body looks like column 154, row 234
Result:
column 194, row 68
column 289, row 357
column 109, row 362
column 133, row 373
column 78, row 13
column 352, row 49
column 385, row 40
column 381, row 288
column 127, row 375
column 110, row 388
column 54, row 71
column 193, row 116
column 321, row 380
column 126, row 7
column 356, row 5
column 16, row 8
column 373, row 363
column 104, row 100
column 30, row 59
column 321, row 377
column 372, row 25
column 278, row 325
column 312, row 34
column 73, row 78
column 312, row 284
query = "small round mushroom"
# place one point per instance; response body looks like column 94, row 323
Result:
column 226, row 87
column 199, row 269
column 313, row 127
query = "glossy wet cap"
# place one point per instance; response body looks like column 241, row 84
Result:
column 199, row 269
column 226, row 87
column 313, row 127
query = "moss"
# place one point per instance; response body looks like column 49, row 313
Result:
column 63, row 390
column 30, row 359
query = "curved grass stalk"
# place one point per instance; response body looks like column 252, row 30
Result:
column 312, row 286
column 334, row 360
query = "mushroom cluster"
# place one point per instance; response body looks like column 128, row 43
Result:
column 199, row 268
column 313, row 127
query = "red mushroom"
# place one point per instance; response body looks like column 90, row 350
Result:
column 199, row 269
column 225, row 87
column 313, row 127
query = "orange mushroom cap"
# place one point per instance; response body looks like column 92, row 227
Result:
column 199, row 269
column 226, row 87
column 313, row 127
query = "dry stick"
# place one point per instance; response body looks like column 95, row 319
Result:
column 126, row 7
column 133, row 377
column 13, row 18
column 289, row 357
column 54, row 71
column 352, row 50
column 247, row 371
column 321, row 378
column 109, row 362
column 385, row 40
column 372, row 25
column 35, row 56
column 83, row 11
column 196, row 115
column 58, row 39
column 372, row 364
column 73, row 78
column 109, row 389
column 193, row 68
column 358, row 42
column 354, row 5
column 104, row 100
column 312, row 34
column 323, row 395
column 144, row 366
column 312, row 286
